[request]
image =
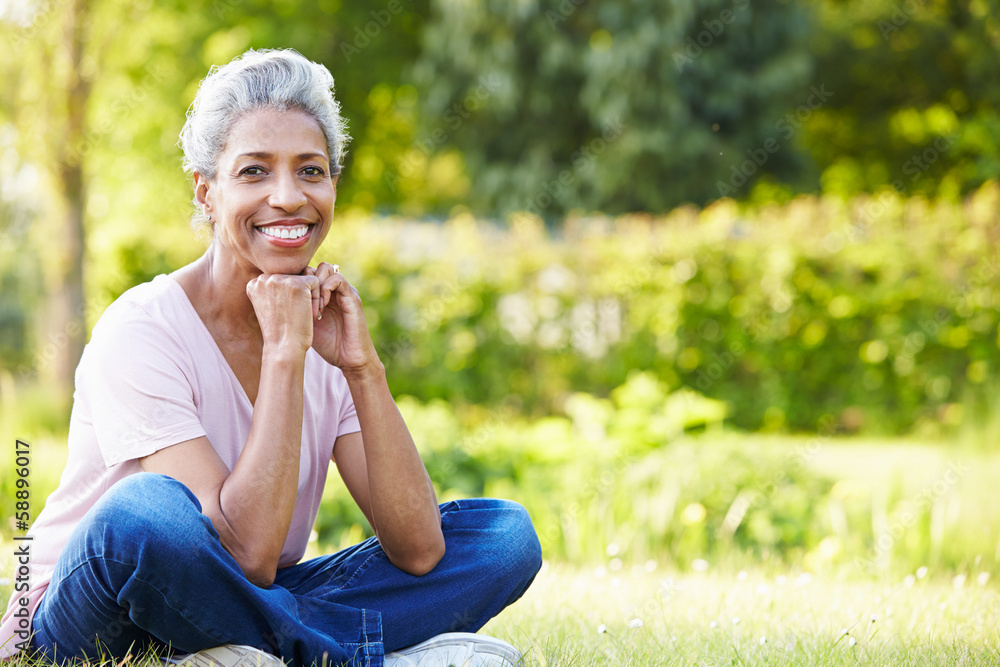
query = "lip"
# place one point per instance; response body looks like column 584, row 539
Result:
column 287, row 243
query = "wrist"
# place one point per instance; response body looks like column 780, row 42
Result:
column 371, row 372
column 283, row 354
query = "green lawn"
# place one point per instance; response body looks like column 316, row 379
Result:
column 646, row 615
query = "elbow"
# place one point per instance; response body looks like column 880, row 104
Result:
column 261, row 577
column 258, row 570
column 422, row 561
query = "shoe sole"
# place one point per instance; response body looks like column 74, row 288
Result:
column 230, row 655
column 480, row 644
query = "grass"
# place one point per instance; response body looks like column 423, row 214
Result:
column 648, row 615
column 635, row 616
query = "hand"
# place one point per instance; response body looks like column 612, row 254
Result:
column 340, row 333
column 282, row 306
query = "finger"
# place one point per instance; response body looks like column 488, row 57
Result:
column 252, row 286
column 313, row 283
column 329, row 286
column 325, row 270
column 322, row 271
column 310, row 271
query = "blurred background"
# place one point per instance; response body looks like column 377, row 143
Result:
column 696, row 281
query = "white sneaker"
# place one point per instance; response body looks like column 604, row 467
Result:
column 227, row 655
column 456, row 649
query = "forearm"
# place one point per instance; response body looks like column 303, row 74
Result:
column 258, row 498
column 404, row 508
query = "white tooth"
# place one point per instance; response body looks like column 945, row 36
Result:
column 284, row 233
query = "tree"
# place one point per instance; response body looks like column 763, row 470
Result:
column 53, row 119
column 916, row 96
column 624, row 106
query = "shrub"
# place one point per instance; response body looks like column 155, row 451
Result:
column 879, row 311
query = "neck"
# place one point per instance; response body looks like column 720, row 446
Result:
column 222, row 288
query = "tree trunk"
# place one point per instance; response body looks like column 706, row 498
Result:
column 67, row 322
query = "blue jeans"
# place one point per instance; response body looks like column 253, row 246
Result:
column 145, row 569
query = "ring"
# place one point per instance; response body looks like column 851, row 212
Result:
column 336, row 268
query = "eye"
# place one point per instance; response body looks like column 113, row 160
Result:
column 251, row 171
column 314, row 171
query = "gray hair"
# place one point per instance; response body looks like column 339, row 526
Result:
column 265, row 79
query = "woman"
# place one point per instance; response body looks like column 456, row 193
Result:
column 209, row 404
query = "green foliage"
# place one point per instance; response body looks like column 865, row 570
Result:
column 649, row 474
column 635, row 105
column 915, row 96
column 574, row 467
column 788, row 314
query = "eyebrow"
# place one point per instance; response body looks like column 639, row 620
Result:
column 267, row 156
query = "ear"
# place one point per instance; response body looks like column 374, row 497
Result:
column 203, row 193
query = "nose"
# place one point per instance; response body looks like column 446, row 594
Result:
column 287, row 193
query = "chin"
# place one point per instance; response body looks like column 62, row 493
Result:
column 291, row 266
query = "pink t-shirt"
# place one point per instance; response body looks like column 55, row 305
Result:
column 150, row 377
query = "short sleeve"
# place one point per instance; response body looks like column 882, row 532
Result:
column 137, row 382
column 348, row 415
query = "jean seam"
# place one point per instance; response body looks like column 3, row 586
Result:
column 364, row 633
column 359, row 570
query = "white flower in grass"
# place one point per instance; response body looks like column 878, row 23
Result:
column 921, row 572
column 844, row 632
column 699, row 565
column 602, row 629
column 713, row 625
column 736, row 620
column 981, row 579
column 874, row 618
column 763, row 640
column 852, row 641
column 958, row 581
column 909, row 581
column 635, row 623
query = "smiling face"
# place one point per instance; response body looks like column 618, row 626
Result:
column 272, row 197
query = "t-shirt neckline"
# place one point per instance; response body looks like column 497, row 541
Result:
column 176, row 286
